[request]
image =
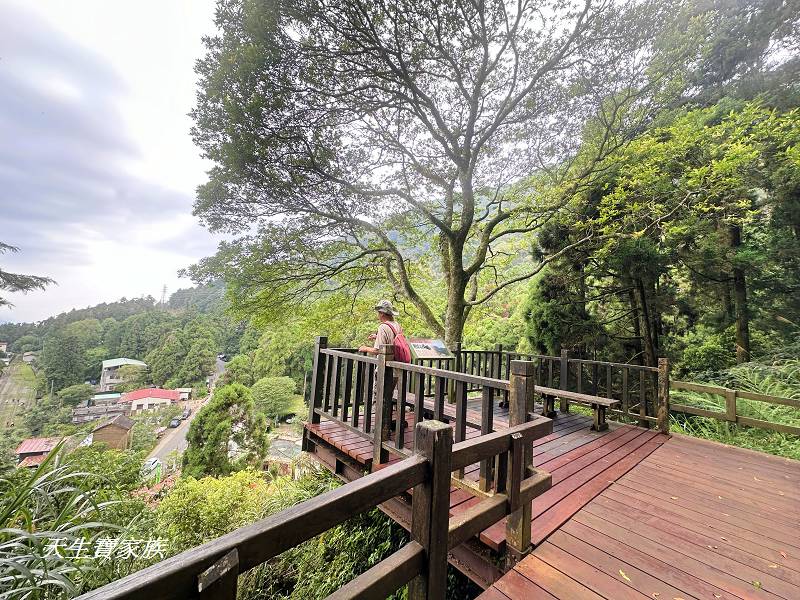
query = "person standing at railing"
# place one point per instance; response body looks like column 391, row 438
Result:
column 389, row 333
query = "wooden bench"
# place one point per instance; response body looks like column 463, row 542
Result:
column 598, row 404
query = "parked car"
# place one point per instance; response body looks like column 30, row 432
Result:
column 175, row 422
column 186, row 412
column 150, row 466
column 222, row 356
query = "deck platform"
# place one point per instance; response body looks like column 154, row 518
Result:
column 582, row 462
column 693, row 519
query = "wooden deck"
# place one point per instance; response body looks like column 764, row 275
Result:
column 582, row 462
column 693, row 519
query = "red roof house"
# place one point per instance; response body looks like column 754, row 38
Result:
column 148, row 398
column 31, row 452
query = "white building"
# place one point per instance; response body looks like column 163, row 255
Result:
column 109, row 376
column 149, row 398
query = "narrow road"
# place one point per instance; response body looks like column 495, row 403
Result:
column 175, row 439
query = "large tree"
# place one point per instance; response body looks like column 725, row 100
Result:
column 228, row 434
column 357, row 142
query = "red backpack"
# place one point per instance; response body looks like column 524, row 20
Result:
column 402, row 353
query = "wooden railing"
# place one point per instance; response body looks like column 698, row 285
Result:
column 637, row 387
column 731, row 413
column 362, row 392
column 210, row 571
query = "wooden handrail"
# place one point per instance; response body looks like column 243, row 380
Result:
column 477, row 449
column 210, row 571
column 350, row 354
column 176, row 578
column 497, row 384
column 730, row 412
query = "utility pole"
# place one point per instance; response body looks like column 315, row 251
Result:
column 163, row 295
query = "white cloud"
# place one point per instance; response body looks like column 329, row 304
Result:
column 97, row 168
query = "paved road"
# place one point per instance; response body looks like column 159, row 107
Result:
column 16, row 392
column 175, row 439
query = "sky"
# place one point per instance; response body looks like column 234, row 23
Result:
column 97, row 167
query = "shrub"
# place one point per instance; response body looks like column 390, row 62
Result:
column 274, row 396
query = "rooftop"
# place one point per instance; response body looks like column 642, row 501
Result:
column 118, row 362
column 119, row 420
column 32, row 461
column 151, row 393
column 37, row 445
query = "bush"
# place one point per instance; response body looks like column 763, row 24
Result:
column 274, row 396
column 75, row 394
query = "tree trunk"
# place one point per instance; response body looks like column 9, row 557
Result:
column 729, row 314
column 646, row 325
column 637, row 329
column 740, row 300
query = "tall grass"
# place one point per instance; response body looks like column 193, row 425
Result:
column 43, row 512
column 781, row 378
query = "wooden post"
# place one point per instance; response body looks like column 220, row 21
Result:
column 430, row 510
column 730, row 405
column 451, row 390
column 518, row 524
column 384, row 396
column 563, row 380
column 317, row 381
column 663, row 395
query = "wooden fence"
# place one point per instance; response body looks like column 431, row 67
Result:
column 344, row 383
column 731, row 414
column 210, row 571
column 643, row 391
column 640, row 389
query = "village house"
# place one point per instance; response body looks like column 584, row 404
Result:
column 115, row 433
column 3, row 346
column 84, row 414
column 105, row 398
column 32, row 451
column 149, row 398
column 185, row 392
column 109, row 375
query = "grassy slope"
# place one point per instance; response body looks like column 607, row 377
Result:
column 17, row 385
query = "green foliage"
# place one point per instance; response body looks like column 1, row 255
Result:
column 198, row 510
column 133, row 377
column 62, row 359
column 780, row 379
column 56, row 504
column 75, row 394
column 165, row 361
column 556, row 317
column 199, row 361
column 195, row 511
column 27, row 343
column 228, row 434
column 115, row 472
column 274, row 395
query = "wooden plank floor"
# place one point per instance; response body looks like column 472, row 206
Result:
column 694, row 519
column 582, row 463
